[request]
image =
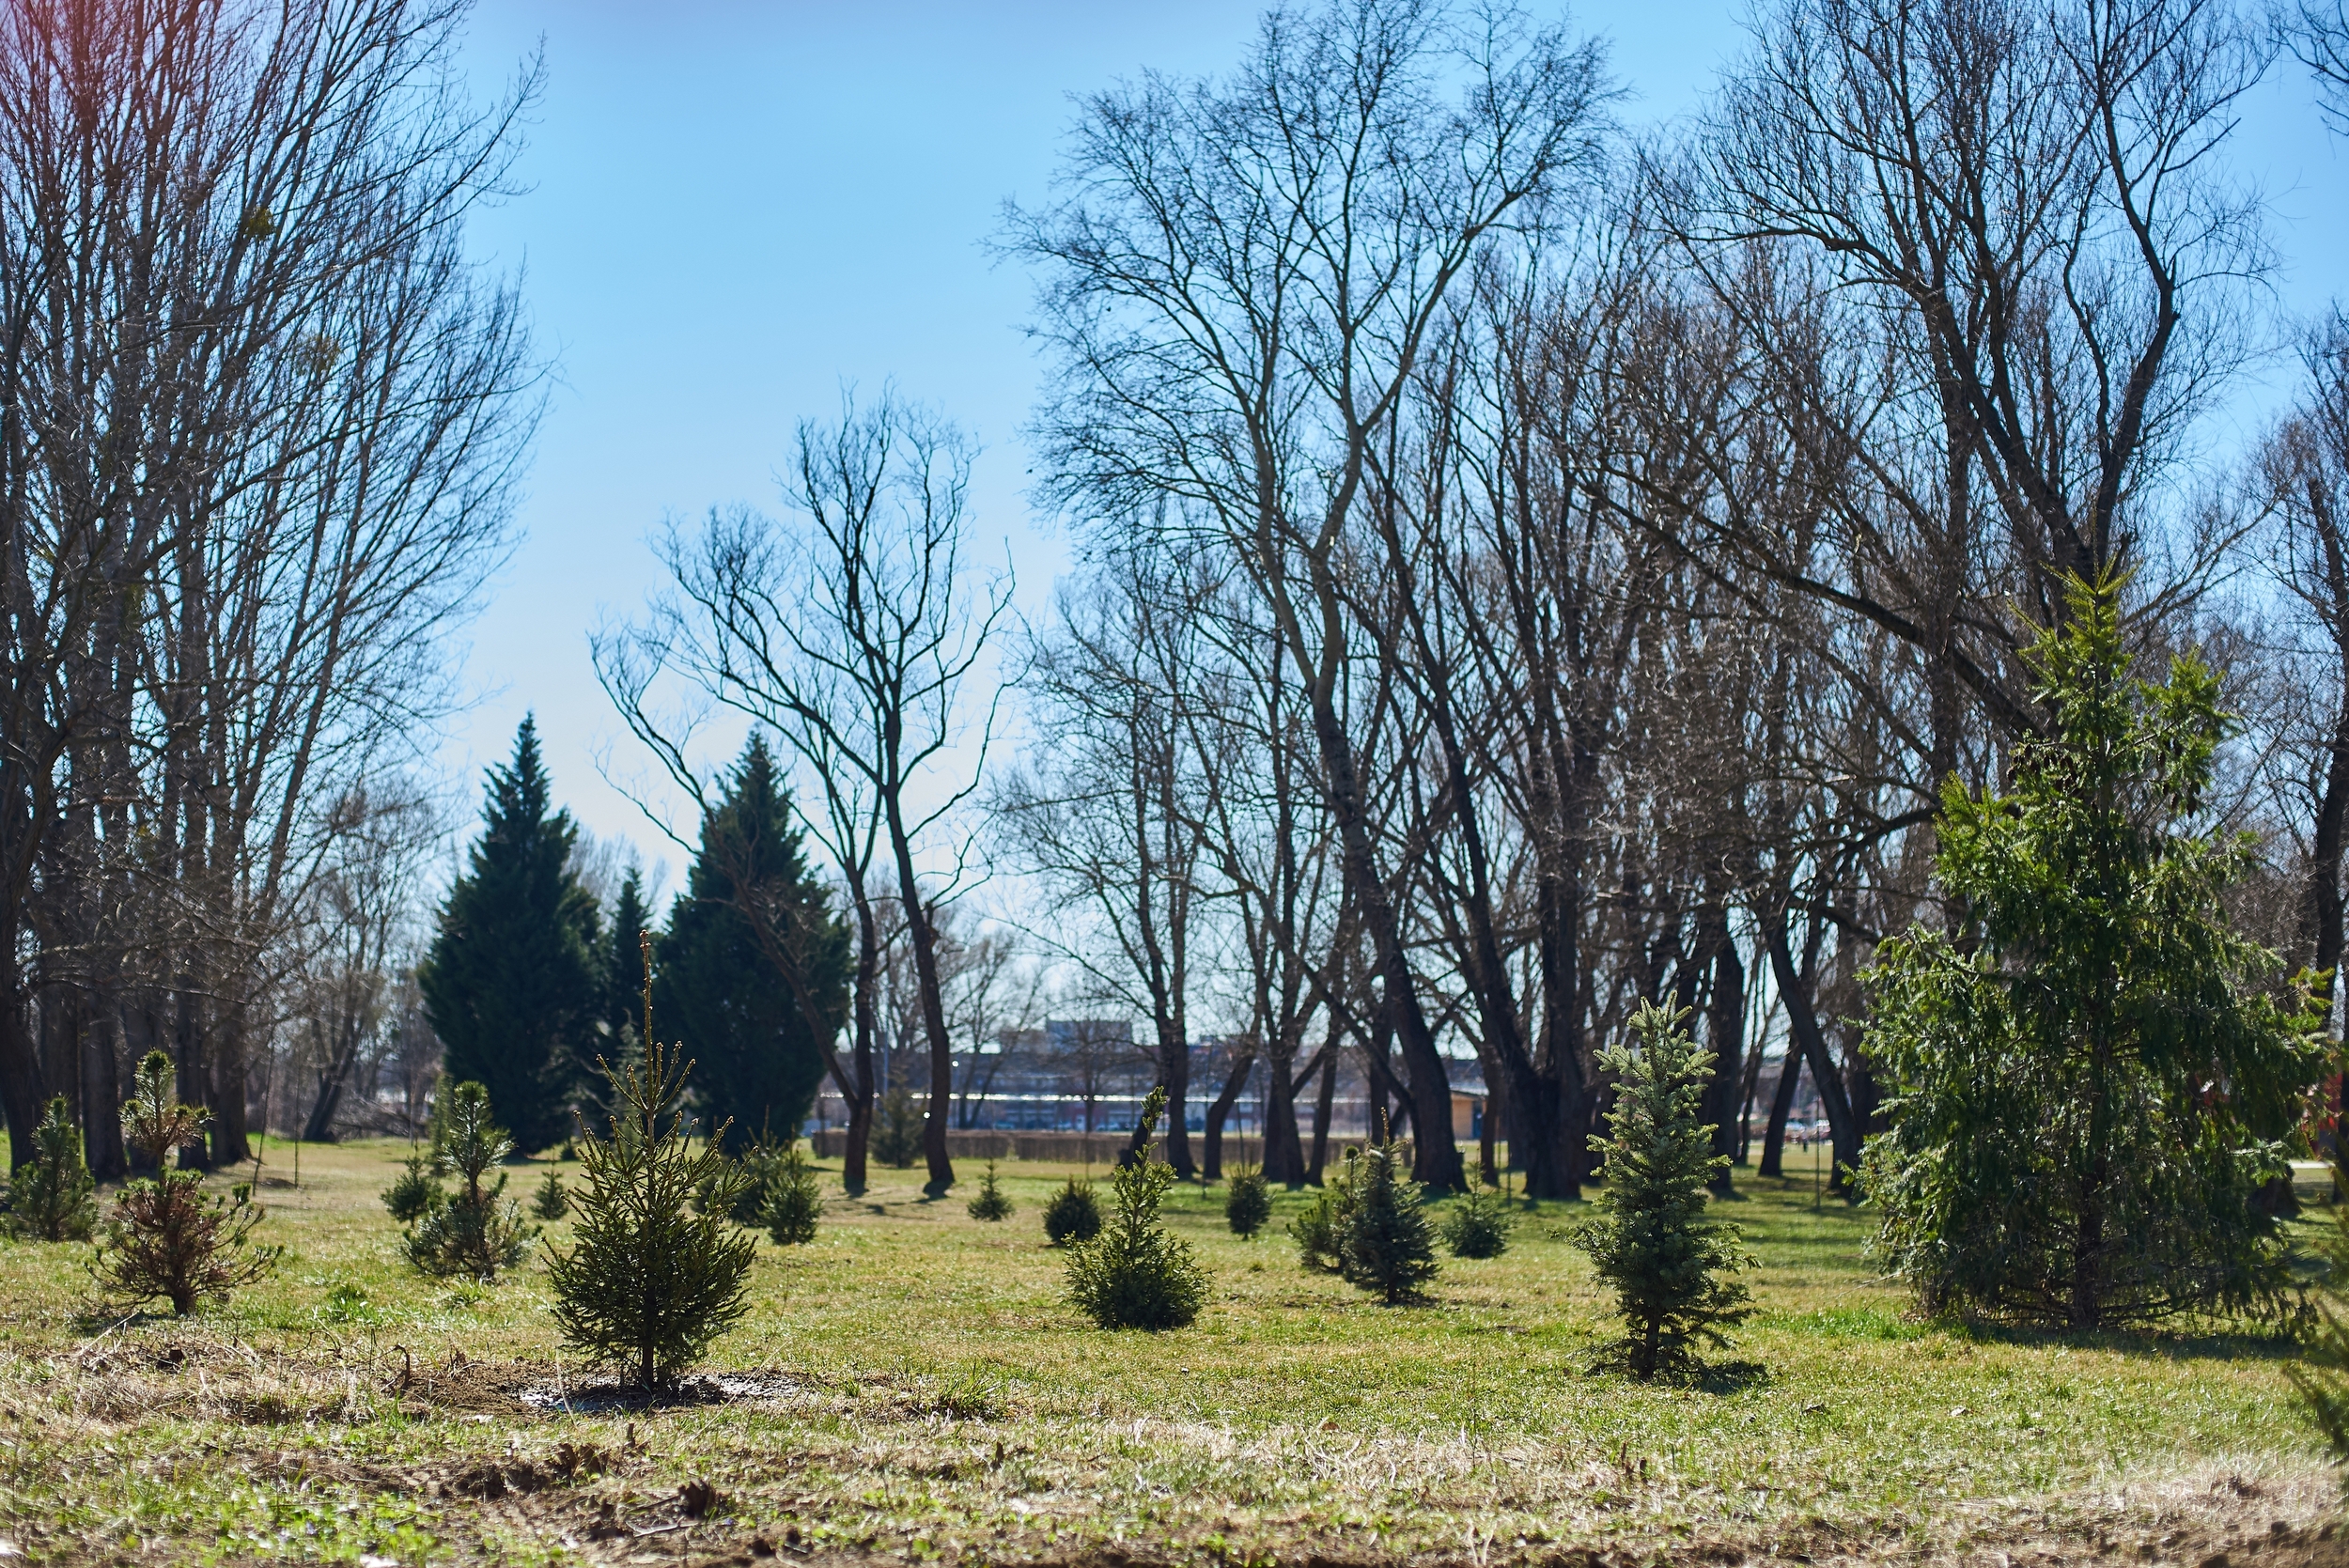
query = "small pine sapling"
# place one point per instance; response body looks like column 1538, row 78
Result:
column 1074, row 1215
column 1136, row 1274
column 897, row 1130
column 1247, row 1204
column 992, row 1205
column 414, row 1190
column 794, row 1201
column 1387, row 1244
column 165, row 1236
column 551, row 1201
column 1320, row 1229
column 648, row 1282
column 50, row 1200
column 1478, row 1225
column 1672, row 1269
column 478, row 1230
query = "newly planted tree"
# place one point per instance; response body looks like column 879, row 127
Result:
column 50, row 1200
column 479, row 1230
column 1248, row 1205
column 992, row 1205
column 1136, row 1274
column 1671, row 1268
column 652, row 1278
column 1387, row 1245
column 1320, row 1231
column 414, row 1190
column 551, row 1201
column 166, row 1237
column 1074, row 1215
column 1478, row 1225
column 794, row 1201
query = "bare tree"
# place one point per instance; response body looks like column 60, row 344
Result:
column 1238, row 282
column 258, row 419
column 853, row 635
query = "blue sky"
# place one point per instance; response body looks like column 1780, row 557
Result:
column 735, row 209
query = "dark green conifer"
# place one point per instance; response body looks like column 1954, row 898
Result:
column 414, row 1190
column 741, row 991
column 551, row 1201
column 1136, row 1274
column 477, row 1231
column 992, row 1205
column 897, row 1130
column 1386, row 1244
column 1248, row 1205
column 649, row 1281
column 1320, row 1229
column 1671, row 1267
column 794, row 1201
column 1074, row 1214
column 50, row 1198
column 511, row 984
column 1478, row 1225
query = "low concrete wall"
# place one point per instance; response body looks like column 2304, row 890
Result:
column 1058, row 1148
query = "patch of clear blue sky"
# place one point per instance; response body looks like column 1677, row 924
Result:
column 736, row 207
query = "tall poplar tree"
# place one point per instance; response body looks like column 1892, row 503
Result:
column 514, row 984
column 753, row 970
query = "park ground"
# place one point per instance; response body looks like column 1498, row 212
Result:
column 912, row 1388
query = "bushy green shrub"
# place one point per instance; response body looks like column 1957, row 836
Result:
column 992, row 1205
column 1672, row 1269
column 1136, row 1274
column 648, row 1282
column 478, row 1230
column 1386, row 1245
column 165, row 1236
column 414, row 1190
column 794, row 1201
column 50, row 1198
column 1478, row 1225
column 1247, row 1204
column 551, row 1201
column 2090, row 1081
column 1073, row 1214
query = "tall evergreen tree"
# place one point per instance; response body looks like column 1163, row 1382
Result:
column 619, row 1041
column 754, row 969
column 513, row 984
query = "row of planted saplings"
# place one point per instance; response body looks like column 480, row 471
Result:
column 656, row 1268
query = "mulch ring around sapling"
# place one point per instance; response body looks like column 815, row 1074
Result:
column 608, row 1396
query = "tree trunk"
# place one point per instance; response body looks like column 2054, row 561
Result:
column 854, row 1168
column 1803, row 1025
column 1235, row 1082
column 1284, row 1159
column 1725, row 1030
column 923, row 937
column 1174, row 1075
column 1324, row 1104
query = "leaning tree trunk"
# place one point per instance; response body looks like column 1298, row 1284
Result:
column 1782, row 1106
column 1211, row 1142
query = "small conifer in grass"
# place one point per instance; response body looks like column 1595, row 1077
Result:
column 794, row 1201
column 50, row 1198
column 897, row 1130
column 1671, row 1268
column 477, row 1231
column 165, row 1236
column 1136, row 1274
column 1387, row 1244
column 1074, row 1214
column 992, row 1205
column 551, row 1201
column 1247, row 1204
column 649, row 1282
column 414, row 1190
column 1320, row 1229
column 1478, row 1225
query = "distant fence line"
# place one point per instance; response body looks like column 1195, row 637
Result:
column 1066, row 1148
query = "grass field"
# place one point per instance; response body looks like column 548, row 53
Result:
column 915, row 1389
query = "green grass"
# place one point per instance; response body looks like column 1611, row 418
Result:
column 934, row 1397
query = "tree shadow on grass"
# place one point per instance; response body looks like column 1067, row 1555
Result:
column 2203, row 1342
